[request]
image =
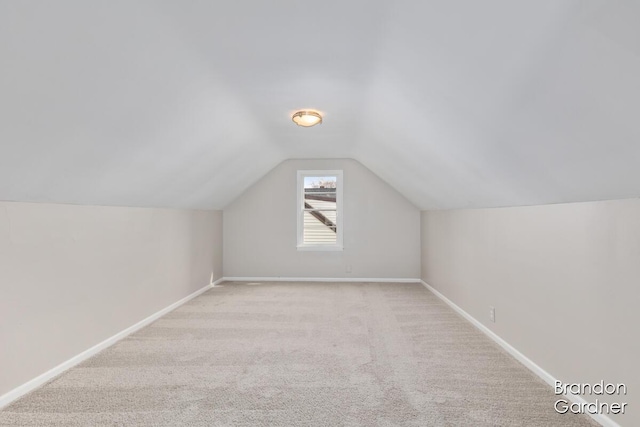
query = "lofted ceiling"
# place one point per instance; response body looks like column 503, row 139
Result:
column 185, row 104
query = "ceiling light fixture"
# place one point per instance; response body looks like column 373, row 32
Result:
column 307, row 118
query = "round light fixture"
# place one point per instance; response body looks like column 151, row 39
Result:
column 307, row 118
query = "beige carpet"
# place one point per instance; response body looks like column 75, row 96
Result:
column 299, row 354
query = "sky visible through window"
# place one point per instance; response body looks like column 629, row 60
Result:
column 319, row 181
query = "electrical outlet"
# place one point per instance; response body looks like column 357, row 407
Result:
column 348, row 268
column 492, row 314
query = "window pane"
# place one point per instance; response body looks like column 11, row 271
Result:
column 317, row 230
column 320, row 219
column 320, row 190
column 320, row 225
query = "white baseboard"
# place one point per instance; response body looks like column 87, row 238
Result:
column 25, row 388
column 320, row 279
column 220, row 280
column 533, row 367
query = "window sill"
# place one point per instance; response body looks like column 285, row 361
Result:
column 320, row 248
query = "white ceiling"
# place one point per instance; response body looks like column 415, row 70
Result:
column 187, row 103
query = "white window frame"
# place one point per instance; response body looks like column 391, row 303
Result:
column 302, row 174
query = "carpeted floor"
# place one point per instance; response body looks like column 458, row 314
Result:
column 299, row 354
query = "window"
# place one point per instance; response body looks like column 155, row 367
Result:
column 320, row 210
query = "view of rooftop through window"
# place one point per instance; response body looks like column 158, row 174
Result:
column 320, row 210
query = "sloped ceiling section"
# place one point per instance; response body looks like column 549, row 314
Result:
column 185, row 104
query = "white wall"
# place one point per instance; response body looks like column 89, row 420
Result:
column 381, row 228
column 73, row 276
column 564, row 279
